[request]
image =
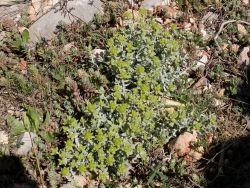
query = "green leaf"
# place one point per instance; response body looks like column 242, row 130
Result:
column 34, row 118
column 25, row 36
column 47, row 119
column 16, row 126
column 65, row 172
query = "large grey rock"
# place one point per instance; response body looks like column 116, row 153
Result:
column 10, row 2
column 26, row 144
column 14, row 11
column 79, row 9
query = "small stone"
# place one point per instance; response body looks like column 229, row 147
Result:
column 3, row 138
column 150, row 4
column 245, row 2
column 217, row 103
column 187, row 26
column 68, row 185
column 243, row 57
column 182, row 144
column 80, row 181
column 98, row 54
column 159, row 20
column 26, row 144
column 195, row 155
column 235, row 48
column 68, row 47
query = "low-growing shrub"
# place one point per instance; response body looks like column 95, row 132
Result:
column 121, row 125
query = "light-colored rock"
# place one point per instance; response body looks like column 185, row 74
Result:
column 39, row 7
column 243, row 57
column 98, row 54
column 68, row 47
column 150, row 4
column 245, row 2
column 217, row 102
column 68, row 185
column 9, row 2
column 80, row 9
column 235, row 48
column 3, row 138
column 12, row 11
column 26, row 144
column 241, row 29
column 181, row 145
column 195, row 155
column 80, row 181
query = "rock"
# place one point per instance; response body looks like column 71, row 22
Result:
column 241, row 29
column 159, row 20
column 217, row 103
column 26, row 144
column 98, row 54
column 80, row 181
column 195, row 155
column 3, row 138
column 243, row 57
column 68, row 185
column 182, row 144
column 68, row 47
column 245, row 2
column 235, row 48
column 12, row 11
column 39, row 7
column 80, row 9
column 10, row 2
column 150, row 4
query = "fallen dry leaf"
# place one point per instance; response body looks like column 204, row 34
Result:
column 242, row 30
column 23, row 66
column 243, row 57
column 170, row 102
column 201, row 83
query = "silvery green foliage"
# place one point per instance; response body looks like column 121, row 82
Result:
column 144, row 65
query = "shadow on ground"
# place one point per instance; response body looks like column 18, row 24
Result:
column 227, row 163
column 13, row 174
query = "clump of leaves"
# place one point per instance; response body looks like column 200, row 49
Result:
column 144, row 67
